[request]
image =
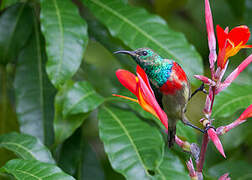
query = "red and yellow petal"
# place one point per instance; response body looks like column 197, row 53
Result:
column 140, row 87
column 128, row 80
column 142, row 74
column 221, row 37
column 230, row 43
column 239, row 35
column 149, row 97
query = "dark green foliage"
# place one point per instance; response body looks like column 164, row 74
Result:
column 15, row 30
column 235, row 97
column 57, row 74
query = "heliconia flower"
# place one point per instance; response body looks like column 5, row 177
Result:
column 214, row 137
column 139, row 85
column 210, row 35
column 191, row 170
column 205, row 80
column 234, row 74
column 230, row 43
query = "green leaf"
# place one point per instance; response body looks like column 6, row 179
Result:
column 237, row 169
column 32, row 169
column 6, row 3
column 137, row 28
column 237, row 7
column 241, row 135
column 66, row 38
column 99, row 32
column 71, row 153
column 90, row 167
column 134, row 147
column 185, row 132
column 26, row 147
column 73, row 104
column 78, row 158
column 230, row 100
column 171, row 167
column 34, row 92
column 14, row 31
column 81, row 98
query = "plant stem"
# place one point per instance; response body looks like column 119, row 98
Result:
column 205, row 140
column 202, row 153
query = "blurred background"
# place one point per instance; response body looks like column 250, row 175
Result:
column 186, row 16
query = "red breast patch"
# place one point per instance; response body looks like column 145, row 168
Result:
column 175, row 81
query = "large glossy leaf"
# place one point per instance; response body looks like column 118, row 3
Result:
column 81, row 98
column 171, row 168
column 72, row 105
column 14, row 31
column 71, row 152
column 34, row 92
column 26, row 147
column 6, row 3
column 186, row 133
column 137, row 28
column 237, row 7
column 241, row 134
column 90, row 167
column 134, row 147
column 33, row 170
column 66, row 38
column 79, row 159
column 98, row 31
column 233, row 98
column 240, row 170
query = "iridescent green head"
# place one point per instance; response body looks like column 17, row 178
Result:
column 144, row 57
column 157, row 69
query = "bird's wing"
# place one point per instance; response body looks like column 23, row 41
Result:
column 158, row 95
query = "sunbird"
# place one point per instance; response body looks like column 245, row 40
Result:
column 169, row 83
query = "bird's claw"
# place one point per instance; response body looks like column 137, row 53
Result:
column 208, row 126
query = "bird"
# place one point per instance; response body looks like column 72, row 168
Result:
column 170, row 85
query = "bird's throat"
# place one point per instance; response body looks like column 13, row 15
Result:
column 159, row 74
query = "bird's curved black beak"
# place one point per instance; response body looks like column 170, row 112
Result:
column 131, row 53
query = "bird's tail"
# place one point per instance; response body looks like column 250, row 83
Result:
column 171, row 135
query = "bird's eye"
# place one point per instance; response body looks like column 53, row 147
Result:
column 144, row 53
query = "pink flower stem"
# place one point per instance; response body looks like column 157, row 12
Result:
column 202, row 153
column 224, row 129
column 191, row 170
column 179, row 142
column 205, row 137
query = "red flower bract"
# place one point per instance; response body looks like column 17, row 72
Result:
column 139, row 85
column 230, row 43
column 214, row 137
column 246, row 114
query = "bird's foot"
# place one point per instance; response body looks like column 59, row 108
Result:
column 208, row 126
column 193, row 126
column 201, row 88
